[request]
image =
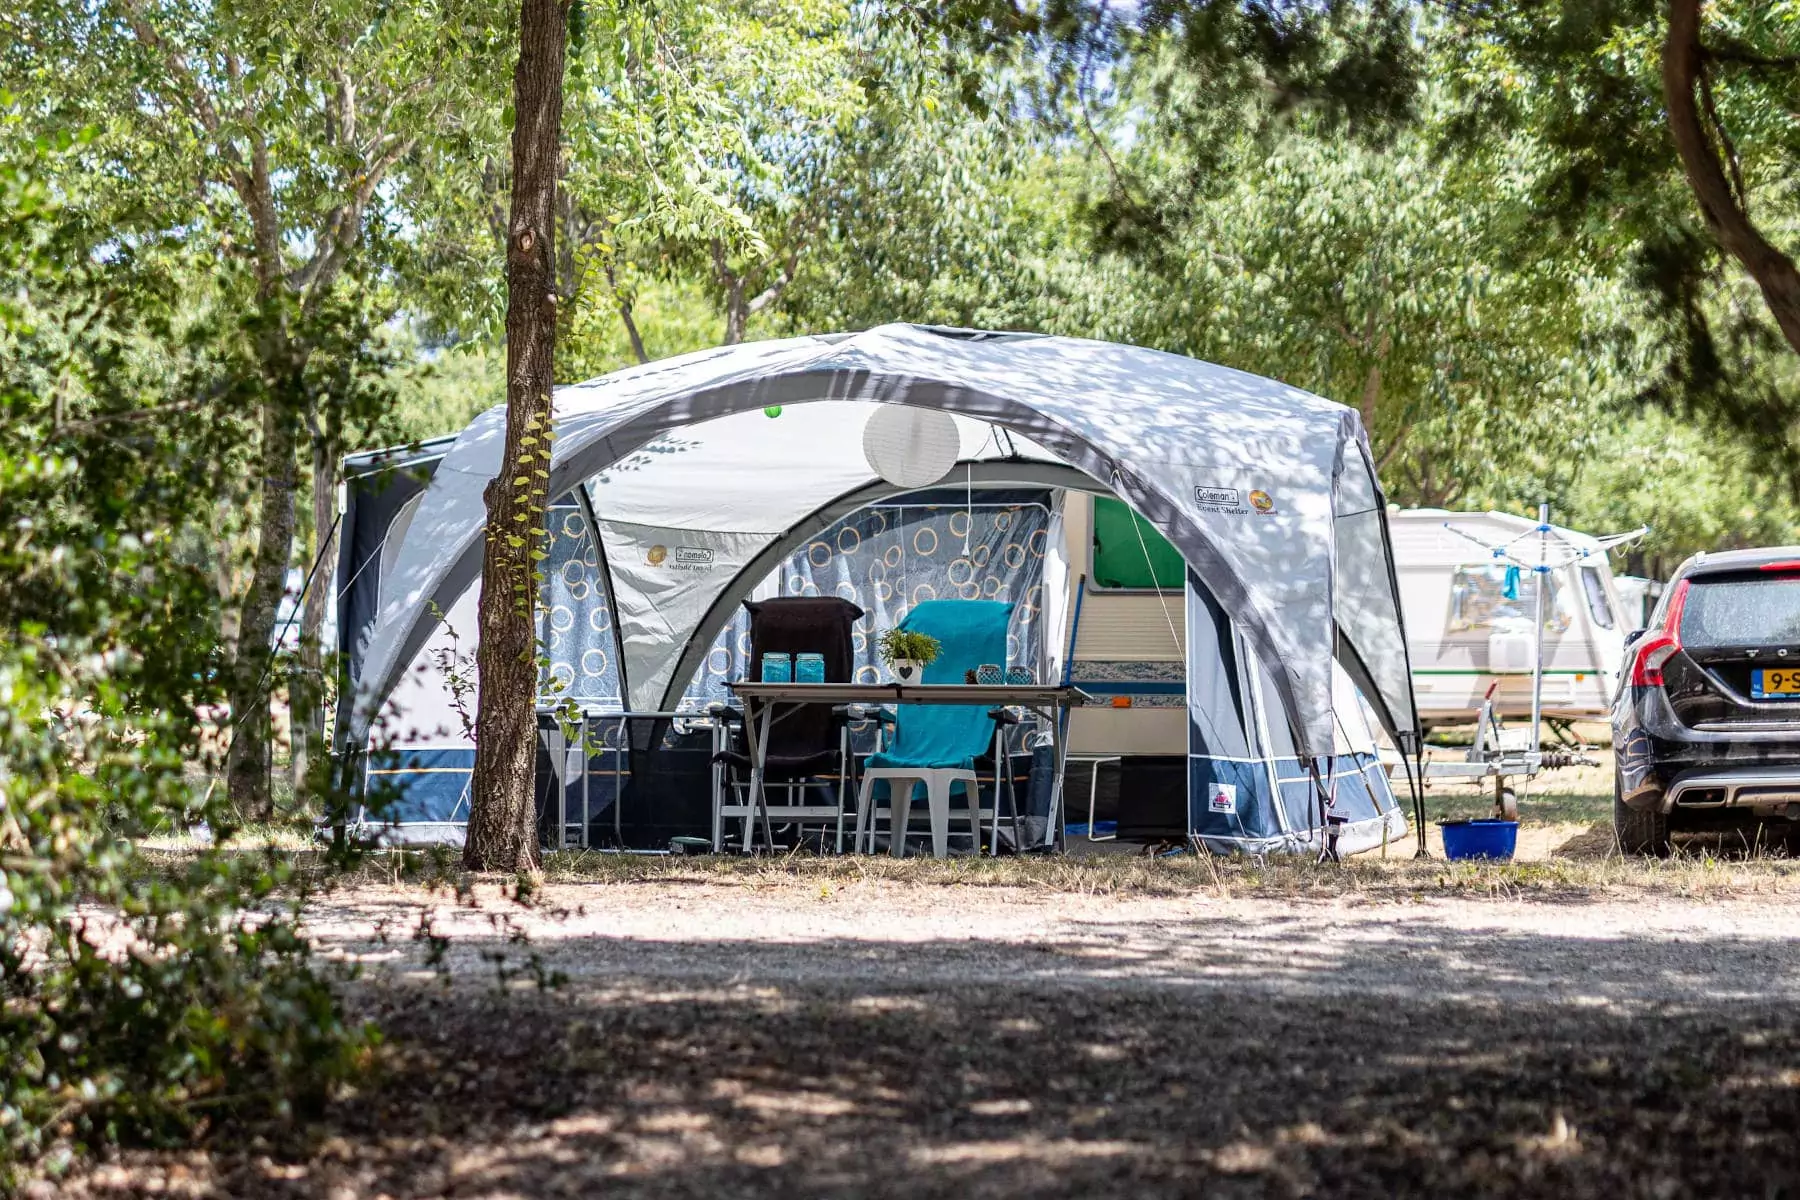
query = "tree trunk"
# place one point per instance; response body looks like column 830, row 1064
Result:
column 737, row 313
column 247, row 763
column 502, row 826
column 1682, row 74
column 1371, row 400
column 737, row 308
column 624, row 305
column 631, row 331
column 306, row 692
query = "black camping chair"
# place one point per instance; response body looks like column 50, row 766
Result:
column 808, row 744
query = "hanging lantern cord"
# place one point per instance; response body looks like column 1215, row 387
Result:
column 968, row 504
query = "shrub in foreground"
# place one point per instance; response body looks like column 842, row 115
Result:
column 135, row 1004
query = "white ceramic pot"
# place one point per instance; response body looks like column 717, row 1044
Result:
column 908, row 670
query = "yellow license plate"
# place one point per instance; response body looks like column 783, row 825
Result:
column 1779, row 684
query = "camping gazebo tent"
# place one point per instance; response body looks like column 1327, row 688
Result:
column 695, row 495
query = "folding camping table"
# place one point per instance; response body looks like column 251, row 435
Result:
column 1048, row 701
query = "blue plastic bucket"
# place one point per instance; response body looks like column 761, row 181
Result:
column 1480, row 839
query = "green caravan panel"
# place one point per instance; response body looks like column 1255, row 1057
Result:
column 1120, row 555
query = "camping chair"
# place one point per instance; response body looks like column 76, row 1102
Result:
column 808, row 744
column 935, row 746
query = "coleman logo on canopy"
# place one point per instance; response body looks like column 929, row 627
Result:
column 684, row 558
column 1219, row 500
column 1262, row 502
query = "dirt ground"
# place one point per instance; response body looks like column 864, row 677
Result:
column 1573, row 1025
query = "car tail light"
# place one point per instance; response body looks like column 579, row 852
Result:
column 1655, row 651
column 1787, row 565
column 1653, row 654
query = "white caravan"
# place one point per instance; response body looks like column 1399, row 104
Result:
column 1468, row 618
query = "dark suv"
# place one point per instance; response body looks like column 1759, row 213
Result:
column 1706, row 727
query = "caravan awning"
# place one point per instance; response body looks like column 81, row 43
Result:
column 1268, row 491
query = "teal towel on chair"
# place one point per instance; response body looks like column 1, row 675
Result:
column 970, row 632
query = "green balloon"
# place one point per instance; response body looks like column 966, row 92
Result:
column 773, row 411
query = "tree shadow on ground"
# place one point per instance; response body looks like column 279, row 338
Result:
column 1596, row 841
column 687, row 1069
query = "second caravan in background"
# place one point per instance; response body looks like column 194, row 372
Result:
column 1469, row 618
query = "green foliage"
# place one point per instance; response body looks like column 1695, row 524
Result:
column 284, row 137
column 278, row 137
column 673, row 316
column 932, row 220
column 1493, row 367
column 715, row 152
column 909, row 644
column 1581, row 81
column 1696, row 487
column 1376, row 279
column 438, row 391
column 711, row 159
column 134, row 1004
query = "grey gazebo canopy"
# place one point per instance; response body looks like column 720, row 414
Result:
column 1268, row 492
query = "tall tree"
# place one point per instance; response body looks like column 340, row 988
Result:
column 273, row 129
column 1709, row 156
column 502, row 829
column 717, row 149
column 124, row 384
column 1663, row 130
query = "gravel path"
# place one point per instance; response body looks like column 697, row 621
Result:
column 880, row 934
column 884, row 1039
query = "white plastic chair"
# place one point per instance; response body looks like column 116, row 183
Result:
column 938, row 782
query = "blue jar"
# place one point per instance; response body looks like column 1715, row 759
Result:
column 777, row 667
column 809, row 668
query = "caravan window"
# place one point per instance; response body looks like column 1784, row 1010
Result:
column 1130, row 553
column 1595, row 587
column 1485, row 598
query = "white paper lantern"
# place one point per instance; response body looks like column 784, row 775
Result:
column 911, row 447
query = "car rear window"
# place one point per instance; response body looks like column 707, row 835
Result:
column 1742, row 612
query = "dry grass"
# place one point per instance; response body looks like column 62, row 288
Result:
column 1566, row 852
column 1694, row 871
column 1691, row 872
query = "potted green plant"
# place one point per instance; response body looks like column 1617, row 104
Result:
column 907, row 653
